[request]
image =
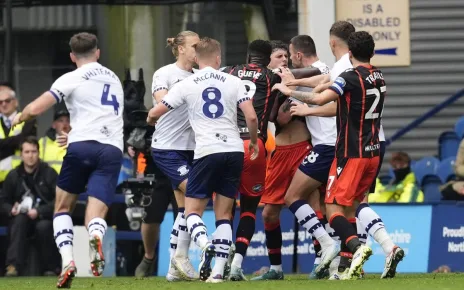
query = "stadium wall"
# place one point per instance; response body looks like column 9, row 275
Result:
column 431, row 235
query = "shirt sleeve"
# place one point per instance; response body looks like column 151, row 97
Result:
column 242, row 94
column 342, row 83
column 64, row 86
column 160, row 82
column 175, row 97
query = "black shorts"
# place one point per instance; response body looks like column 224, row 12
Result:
column 162, row 196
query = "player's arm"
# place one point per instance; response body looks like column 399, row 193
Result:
column 328, row 110
column 159, row 87
column 246, row 105
column 171, row 101
column 311, row 82
column 308, row 97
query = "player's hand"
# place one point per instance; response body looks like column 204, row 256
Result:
column 151, row 121
column 286, row 75
column 299, row 109
column 62, row 140
column 319, row 88
column 253, row 147
column 14, row 209
column 282, row 88
column 33, row 214
column 16, row 120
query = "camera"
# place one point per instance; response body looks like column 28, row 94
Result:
column 138, row 192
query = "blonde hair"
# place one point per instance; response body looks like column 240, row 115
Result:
column 175, row 42
column 207, row 47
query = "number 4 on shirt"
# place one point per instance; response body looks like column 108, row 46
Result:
column 105, row 101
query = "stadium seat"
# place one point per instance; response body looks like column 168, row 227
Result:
column 448, row 144
column 427, row 166
column 431, row 189
column 445, row 169
column 459, row 128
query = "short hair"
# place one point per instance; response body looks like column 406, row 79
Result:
column 261, row 48
column 178, row 40
column 207, row 47
column 400, row 157
column 279, row 45
column 29, row 140
column 304, row 44
column 361, row 44
column 342, row 30
column 83, row 43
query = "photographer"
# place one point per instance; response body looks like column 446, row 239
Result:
column 138, row 140
column 28, row 198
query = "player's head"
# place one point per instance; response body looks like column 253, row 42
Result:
column 259, row 52
column 279, row 56
column 339, row 34
column 361, row 46
column 208, row 53
column 301, row 47
column 182, row 45
column 8, row 101
column 84, row 46
column 30, row 151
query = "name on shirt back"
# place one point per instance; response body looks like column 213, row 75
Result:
column 374, row 76
column 98, row 71
column 208, row 76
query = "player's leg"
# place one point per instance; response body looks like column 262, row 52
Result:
column 67, row 190
column 347, row 183
column 252, row 184
column 227, row 179
column 101, row 189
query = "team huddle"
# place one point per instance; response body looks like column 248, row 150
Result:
column 211, row 130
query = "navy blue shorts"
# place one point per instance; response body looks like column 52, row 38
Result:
column 91, row 164
column 218, row 172
column 382, row 154
column 175, row 164
column 317, row 163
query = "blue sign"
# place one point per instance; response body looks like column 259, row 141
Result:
column 409, row 228
column 194, row 251
column 447, row 238
column 257, row 257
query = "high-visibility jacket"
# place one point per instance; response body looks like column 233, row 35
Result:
column 51, row 153
column 10, row 162
column 403, row 192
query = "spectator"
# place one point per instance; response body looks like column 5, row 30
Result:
column 11, row 139
column 28, row 198
column 454, row 190
column 50, row 152
column 403, row 187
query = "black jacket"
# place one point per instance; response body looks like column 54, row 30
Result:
column 45, row 185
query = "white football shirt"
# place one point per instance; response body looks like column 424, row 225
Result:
column 95, row 100
column 173, row 130
column 211, row 97
column 323, row 130
column 342, row 65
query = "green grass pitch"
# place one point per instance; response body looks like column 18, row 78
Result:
column 292, row 282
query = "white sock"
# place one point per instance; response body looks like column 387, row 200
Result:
column 64, row 234
column 317, row 260
column 238, row 260
column 173, row 239
column 375, row 227
column 183, row 241
column 307, row 218
column 362, row 234
column 97, row 227
column 277, row 268
column 222, row 239
column 383, row 238
column 197, row 230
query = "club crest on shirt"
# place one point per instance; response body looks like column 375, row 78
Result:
column 183, row 170
column 257, row 188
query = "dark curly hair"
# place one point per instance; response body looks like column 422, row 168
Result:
column 279, row 44
column 361, row 45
